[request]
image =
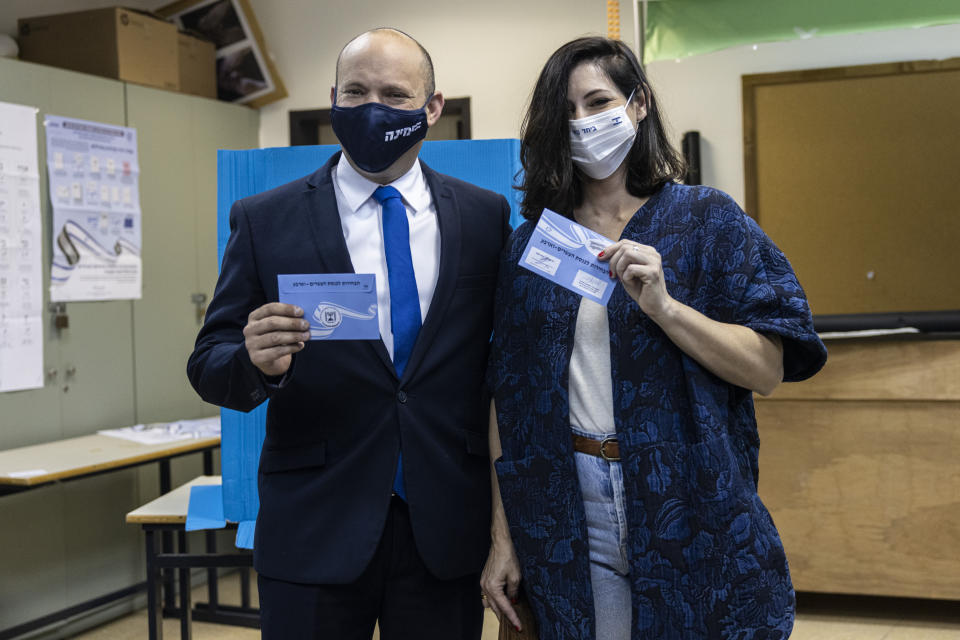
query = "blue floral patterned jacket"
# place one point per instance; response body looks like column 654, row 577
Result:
column 706, row 560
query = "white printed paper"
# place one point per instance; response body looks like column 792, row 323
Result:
column 589, row 285
column 542, row 261
column 94, row 189
column 21, row 269
column 164, row 432
column 29, row 473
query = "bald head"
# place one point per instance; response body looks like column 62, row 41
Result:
column 395, row 49
column 389, row 68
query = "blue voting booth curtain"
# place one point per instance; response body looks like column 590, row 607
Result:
column 492, row 164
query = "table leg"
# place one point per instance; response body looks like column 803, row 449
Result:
column 213, row 590
column 164, row 476
column 186, row 608
column 166, row 546
column 245, row 587
column 213, row 596
column 154, row 606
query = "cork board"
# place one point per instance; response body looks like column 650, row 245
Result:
column 855, row 173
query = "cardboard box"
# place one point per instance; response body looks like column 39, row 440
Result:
column 198, row 66
column 114, row 42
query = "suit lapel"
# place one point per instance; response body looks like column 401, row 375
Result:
column 323, row 216
column 320, row 209
column 448, row 219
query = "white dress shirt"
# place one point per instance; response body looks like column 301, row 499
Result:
column 361, row 218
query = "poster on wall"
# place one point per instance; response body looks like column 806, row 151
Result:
column 21, row 270
column 245, row 74
column 94, row 191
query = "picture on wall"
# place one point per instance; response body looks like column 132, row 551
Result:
column 245, row 74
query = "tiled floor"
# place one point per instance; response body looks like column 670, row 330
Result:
column 134, row 626
column 821, row 618
column 825, row 617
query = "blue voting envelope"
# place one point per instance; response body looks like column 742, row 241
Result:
column 338, row 306
column 565, row 252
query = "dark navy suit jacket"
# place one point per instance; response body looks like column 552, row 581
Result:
column 336, row 421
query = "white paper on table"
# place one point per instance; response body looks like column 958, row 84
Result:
column 200, row 427
column 145, row 434
column 30, row 473
column 97, row 235
column 21, row 269
column 164, row 432
column 867, row 333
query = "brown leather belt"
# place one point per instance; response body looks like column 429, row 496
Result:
column 608, row 448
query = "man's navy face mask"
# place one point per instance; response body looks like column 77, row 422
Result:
column 375, row 135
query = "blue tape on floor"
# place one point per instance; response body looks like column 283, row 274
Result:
column 205, row 510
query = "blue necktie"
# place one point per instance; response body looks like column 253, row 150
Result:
column 404, row 298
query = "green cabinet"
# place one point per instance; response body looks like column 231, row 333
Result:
column 120, row 362
column 178, row 138
column 94, row 357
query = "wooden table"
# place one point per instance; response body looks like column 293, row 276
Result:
column 170, row 508
column 169, row 513
column 74, row 458
column 27, row 468
column 860, row 467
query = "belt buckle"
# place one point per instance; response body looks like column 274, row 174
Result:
column 603, row 450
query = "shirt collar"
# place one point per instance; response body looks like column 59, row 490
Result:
column 357, row 189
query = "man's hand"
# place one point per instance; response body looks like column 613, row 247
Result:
column 274, row 332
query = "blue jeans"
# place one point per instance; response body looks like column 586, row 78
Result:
column 601, row 484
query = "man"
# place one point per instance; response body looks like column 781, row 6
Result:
column 373, row 479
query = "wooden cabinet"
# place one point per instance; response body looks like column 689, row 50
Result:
column 860, row 468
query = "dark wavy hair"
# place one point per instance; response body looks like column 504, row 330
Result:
column 550, row 179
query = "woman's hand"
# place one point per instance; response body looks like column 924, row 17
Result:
column 639, row 268
column 501, row 580
column 737, row 354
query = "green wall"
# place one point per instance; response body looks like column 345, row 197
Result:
column 681, row 28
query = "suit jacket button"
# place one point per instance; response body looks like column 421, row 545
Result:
column 402, row 396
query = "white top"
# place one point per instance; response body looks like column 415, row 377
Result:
column 590, row 380
column 361, row 218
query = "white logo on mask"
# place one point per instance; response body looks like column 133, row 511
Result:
column 600, row 143
column 400, row 133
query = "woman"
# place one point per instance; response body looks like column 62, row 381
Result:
column 627, row 433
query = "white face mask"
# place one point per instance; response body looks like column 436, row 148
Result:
column 600, row 143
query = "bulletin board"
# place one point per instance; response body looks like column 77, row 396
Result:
column 854, row 172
